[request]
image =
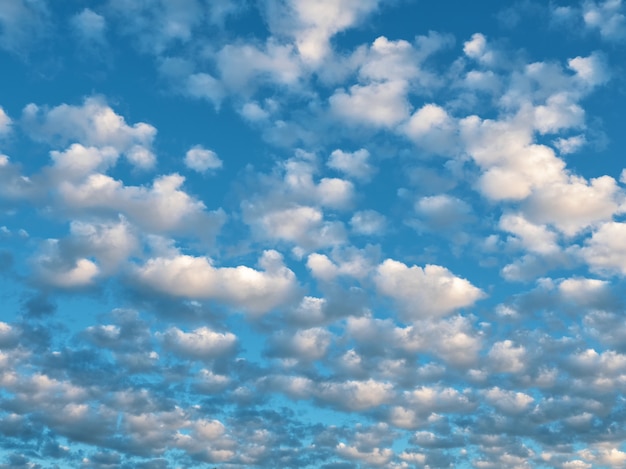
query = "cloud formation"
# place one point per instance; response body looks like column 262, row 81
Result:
column 331, row 234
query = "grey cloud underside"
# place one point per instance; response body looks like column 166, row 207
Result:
column 468, row 314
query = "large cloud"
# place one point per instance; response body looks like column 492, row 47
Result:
column 431, row 291
column 241, row 287
column 92, row 124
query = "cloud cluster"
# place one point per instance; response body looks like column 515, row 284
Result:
column 409, row 251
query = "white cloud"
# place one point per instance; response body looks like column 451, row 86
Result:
column 607, row 456
column 453, row 339
column 335, row 192
column 163, row 207
column 311, row 310
column 53, row 269
column 253, row 112
column 89, row 25
column 389, row 60
column 209, row 381
column 429, row 292
column 356, row 395
column 368, row 222
column 584, row 291
column 302, row 225
column 92, row 124
column 110, row 243
column 512, row 165
column 576, row 464
column 508, row 402
column 304, row 344
column 478, row 49
column 322, row 267
column 202, row 343
column 505, row 357
column 377, row 104
column 290, row 205
column 202, row 160
column 413, row 457
column 427, row 400
column 353, row 164
column 241, row 287
column 605, row 251
column 351, row 262
column 559, row 112
column 204, row 86
column 575, row 204
column 534, row 238
column 312, row 25
column 431, row 128
column 592, row 70
column 609, row 363
column 244, row 67
column 77, row 161
column 570, row 145
column 374, row 457
column 486, row 81
column 607, row 17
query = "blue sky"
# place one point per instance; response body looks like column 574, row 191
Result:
column 312, row 234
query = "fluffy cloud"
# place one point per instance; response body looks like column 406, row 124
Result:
column 289, row 207
column 55, row 270
column 476, row 48
column 202, row 160
column 388, row 71
column 349, row 262
column 378, row 104
column 244, row 67
column 431, row 291
column 163, row 207
column 78, row 161
column 92, row 124
column 374, row 457
column 304, row 344
column 605, row 251
column 353, row 164
column 432, row 129
column 356, row 395
column 202, row 343
column 575, row 204
column 508, row 401
column 455, row 162
column 454, row 339
column 512, row 164
column 368, row 222
column 607, row 17
column 311, row 26
column 505, row 357
column 591, row 70
column 301, row 225
column 534, row 238
column 241, row 287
